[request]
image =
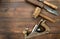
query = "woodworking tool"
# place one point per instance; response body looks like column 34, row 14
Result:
column 52, row 11
column 39, row 4
column 39, row 29
column 37, row 13
column 49, row 4
column 35, row 2
column 36, row 26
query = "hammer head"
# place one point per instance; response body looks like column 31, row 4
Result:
column 36, row 12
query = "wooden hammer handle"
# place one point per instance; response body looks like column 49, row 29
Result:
column 38, row 12
column 36, row 3
column 48, row 18
column 49, row 4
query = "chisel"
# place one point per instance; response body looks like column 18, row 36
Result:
column 49, row 4
column 39, row 4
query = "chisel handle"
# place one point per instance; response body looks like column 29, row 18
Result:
column 36, row 3
column 49, row 4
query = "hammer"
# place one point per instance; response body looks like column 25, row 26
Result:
column 37, row 13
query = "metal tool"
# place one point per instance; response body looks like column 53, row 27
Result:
column 52, row 11
column 39, row 4
column 36, row 26
column 39, row 29
column 49, row 4
column 36, row 31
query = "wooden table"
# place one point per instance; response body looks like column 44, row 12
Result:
column 17, row 15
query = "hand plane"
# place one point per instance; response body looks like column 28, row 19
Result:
column 39, row 29
column 44, row 5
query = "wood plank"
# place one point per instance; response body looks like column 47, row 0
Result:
column 54, row 36
column 19, row 16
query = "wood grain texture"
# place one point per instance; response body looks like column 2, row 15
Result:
column 15, row 17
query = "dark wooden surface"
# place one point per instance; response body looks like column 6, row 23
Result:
column 15, row 17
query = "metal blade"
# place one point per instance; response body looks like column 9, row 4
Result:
column 34, row 29
column 36, row 26
column 52, row 11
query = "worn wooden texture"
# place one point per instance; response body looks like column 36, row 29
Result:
column 18, row 16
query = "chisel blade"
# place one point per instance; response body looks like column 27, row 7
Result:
column 52, row 11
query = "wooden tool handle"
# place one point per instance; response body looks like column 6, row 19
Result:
column 36, row 3
column 46, row 17
column 37, row 12
column 49, row 4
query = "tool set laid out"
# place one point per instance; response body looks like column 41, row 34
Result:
column 40, row 28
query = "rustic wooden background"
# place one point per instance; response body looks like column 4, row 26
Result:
column 16, row 15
